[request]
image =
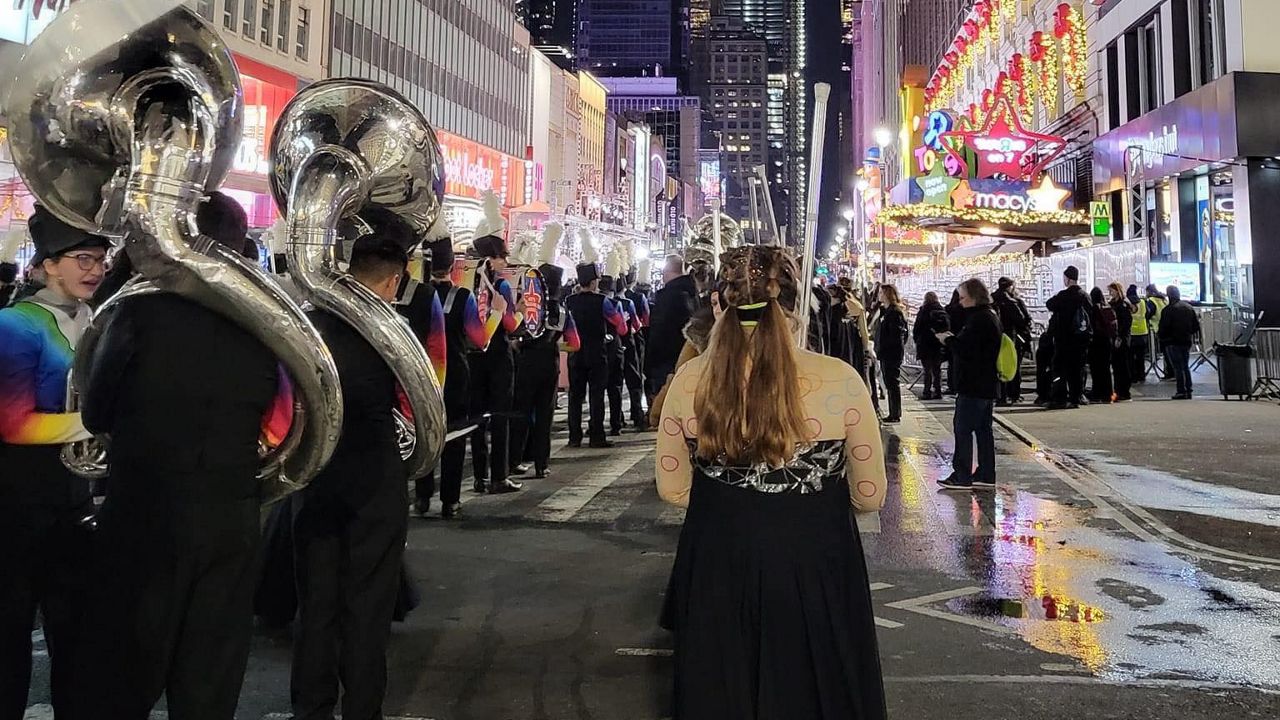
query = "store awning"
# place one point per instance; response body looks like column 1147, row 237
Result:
column 992, row 246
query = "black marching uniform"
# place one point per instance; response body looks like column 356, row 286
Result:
column 589, row 367
column 349, row 530
column 459, row 304
column 492, row 384
column 538, row 378
column 183, row 392
column 418, row 303
column 617, row 354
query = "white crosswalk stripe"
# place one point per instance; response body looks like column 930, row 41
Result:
column 564, row 503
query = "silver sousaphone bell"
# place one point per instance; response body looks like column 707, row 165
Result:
column 122, row 117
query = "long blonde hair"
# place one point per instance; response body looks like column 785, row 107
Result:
column 748, row 403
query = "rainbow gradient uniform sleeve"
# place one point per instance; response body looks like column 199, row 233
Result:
column 509, row 320
column 615, row 317
column 632, row 315
column 478, row 332
column 279, row 416
column 35, row 357
column 436, row 343
column 570, row 340
column 642, row 309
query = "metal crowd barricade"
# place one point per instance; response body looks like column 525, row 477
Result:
column 1267, row 363
column 1217, row 325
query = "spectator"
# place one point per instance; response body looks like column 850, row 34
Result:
column 891, row 338
column 1157, row 302
column 673, row 305
column 1106, row 330
column 1016, row 322
column 974, row 350
column 1072, row 330
column 1179, row 327
column 1121, row 358
column 931, row 320
column 955, row 313
column 1139, row 335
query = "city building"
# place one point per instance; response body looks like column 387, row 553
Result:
column 466, row 65
column 731, row 74
column 679, row 120
column 1187, row 153
column 593, row 100
column 625, row 37
column 784, row 26
column 552, row 26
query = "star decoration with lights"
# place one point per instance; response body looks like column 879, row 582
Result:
column 1047, row 197
column 963, row 196
column 1003, row 146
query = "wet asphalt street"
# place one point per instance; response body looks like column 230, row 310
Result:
column 1063, row 594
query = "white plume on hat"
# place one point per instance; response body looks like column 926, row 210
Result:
column 552, row 233
column 13, row 242
column 525, row 250
column 616, row 265
column 643, row 271
column 276, row 236
column 492, row 222
column 590, row 253
column 439, row 230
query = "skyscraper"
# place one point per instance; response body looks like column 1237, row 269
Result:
column 625, row 37
column 732, row 76
column 552, row 26
column 784, row 26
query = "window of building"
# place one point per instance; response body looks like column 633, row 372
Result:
column 1208, row 45
column 229, row 14
column 304, row 33
column 247, row 17
column 205, row 8
column 265, row 27
column 282, row 27
column 1150, row 68
column 1112, row 59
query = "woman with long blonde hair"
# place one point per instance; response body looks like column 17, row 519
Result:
column 769, row 447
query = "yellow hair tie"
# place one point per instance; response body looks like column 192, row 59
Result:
column 754, row 306
column 748, row 323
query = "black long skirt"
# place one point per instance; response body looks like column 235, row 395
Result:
column 771, row 608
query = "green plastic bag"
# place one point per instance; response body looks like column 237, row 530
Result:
column 1007, row 361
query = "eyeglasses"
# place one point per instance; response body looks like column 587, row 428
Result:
column 88, row 261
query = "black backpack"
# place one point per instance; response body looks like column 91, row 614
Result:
column 1081, row 324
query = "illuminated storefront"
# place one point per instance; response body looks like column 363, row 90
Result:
column 471, row 170
column 266, row 92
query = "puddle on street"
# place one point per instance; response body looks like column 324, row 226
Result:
column 1121, row 607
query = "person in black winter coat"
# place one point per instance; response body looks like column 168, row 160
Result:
column 1072, row 329
column 1179, row 326
column 931, row 319
column 672, row 307
column 975, row 350
column 1121, row 359
column 1016, row 322
column 891, row 338
column 1106, row 330
column 955, row 313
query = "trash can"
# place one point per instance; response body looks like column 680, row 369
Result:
column 1235, row 370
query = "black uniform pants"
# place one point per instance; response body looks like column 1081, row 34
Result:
column 615, row 380
column 348, row 573
column 634, row 379
column 172, row 611
column 538, row 376
column 457, row 409
column 43, row 561
column 492, row 381
column 588, row 375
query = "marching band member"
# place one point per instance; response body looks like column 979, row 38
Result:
column 596, row 318
column 48, row 511
column 617, row 353
column 350, row 523
column 464, row 332
column 420, row 304
column 185, row 395
column 540, row 363
column 493, row 378
column 633, row 364
column 631, row 343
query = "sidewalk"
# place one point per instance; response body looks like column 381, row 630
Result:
column 1206, row 468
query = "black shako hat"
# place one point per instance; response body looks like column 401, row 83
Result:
column 587, row 272
column 52, row 237
column 490, row 246
column 442, row 256
column 554, row 277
